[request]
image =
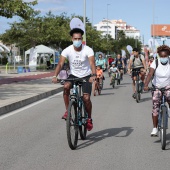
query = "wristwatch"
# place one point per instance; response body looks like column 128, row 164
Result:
column 93, row 75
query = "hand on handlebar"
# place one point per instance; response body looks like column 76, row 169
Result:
column 54, row 79
column 146, row 88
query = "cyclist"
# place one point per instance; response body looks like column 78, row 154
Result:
column 137, row 63
column 110, row 60
column 160, row 69
column 99, row 73
column 150, row 61
column 120, row 65
column 113, row 71
column 82, row 65
column 101, row 61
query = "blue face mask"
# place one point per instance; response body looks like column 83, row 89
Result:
column 164, row 60
column 77, row 44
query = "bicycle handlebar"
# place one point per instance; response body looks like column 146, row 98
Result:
column 156, row 88
column 75, row 80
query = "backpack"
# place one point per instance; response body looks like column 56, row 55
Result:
column 135, row 58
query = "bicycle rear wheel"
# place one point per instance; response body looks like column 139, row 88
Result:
column 83, row 127
column 72, row 125
column 101, row 85
column 137, row 94
column 163, row 127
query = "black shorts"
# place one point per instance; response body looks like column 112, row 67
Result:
column 86, row 86
column 120, row 68
column 134, row 73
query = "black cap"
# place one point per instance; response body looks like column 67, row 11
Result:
column 136, row 49
column 76, row 30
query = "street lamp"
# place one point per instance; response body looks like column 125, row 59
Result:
column 153, row 1
column 92, row 12
column 107, row 22
column 136, row 41
column 84, row 20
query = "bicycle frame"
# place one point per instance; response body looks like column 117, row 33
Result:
column 163, row 101
column 77, row 96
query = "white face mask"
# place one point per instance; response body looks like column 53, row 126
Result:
column 77, row 43
column 164, row 60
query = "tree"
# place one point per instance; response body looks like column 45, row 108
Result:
column 10, row 8
column 121, row 35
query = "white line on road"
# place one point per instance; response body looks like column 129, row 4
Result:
column 27, row 107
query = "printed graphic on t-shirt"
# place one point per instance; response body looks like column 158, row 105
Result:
column 77, row 64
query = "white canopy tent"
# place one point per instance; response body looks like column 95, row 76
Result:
column 41, row 49
column 4, row 48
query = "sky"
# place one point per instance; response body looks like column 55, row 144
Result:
column 138, row 13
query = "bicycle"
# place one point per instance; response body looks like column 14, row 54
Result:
column 77, row 116
column 118, row 78
column 138, row 87
column 96, row 87
column 115, row 77
column 162, row 117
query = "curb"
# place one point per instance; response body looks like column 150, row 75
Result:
column 22, row 103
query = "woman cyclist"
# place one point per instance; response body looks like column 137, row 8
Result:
column 101, row 61
column 161, row 72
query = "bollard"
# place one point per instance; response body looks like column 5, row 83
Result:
column 6, row 68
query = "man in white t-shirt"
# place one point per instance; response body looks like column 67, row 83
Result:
column 138, row 64
column 160, row 69
column 82, row 65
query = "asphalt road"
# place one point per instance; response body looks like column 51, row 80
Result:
column 34, row 138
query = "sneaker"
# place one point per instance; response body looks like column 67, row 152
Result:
column 65, row 115
column 89, row 124
column 134, row 96
column 154, row 132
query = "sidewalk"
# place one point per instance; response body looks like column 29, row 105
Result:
column 18, row 90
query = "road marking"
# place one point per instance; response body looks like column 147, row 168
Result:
column 28, row 106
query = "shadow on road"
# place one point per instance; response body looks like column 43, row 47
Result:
column 110, row 88
column 103, row 134
column 105, row 94
column 125, row 83
column 145, row 99
column 167, row 141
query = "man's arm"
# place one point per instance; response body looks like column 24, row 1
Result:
column 151, row 73
column 92, row 64
column 144, row 64
column 59, row 66
column 93, row 69
column 123, row 63
column 130, row 64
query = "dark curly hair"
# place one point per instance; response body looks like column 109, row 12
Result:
column 76, row 30
column 164, row 48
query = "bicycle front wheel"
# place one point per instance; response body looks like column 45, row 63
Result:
column 94, row 88
column 83, row 127
column 163, row 127
column 72, row 125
